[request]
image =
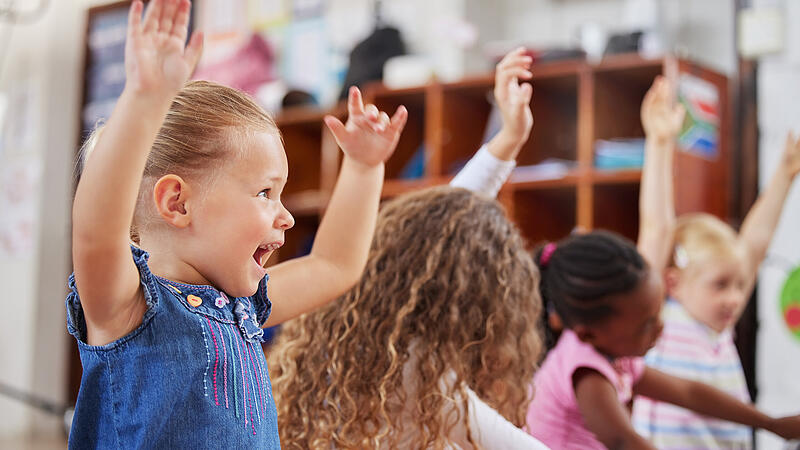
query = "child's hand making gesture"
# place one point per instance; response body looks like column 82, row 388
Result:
column 155, row 58
column 369, row 137
column 662, row 117
column 513, row 99
column 344, row 236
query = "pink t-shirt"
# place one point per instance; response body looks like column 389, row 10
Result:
column 553, row 416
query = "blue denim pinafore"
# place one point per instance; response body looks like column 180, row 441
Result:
column 192, row 375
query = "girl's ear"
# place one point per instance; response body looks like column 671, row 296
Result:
column 672, row 276
column 584, row 333
column 554, row 322
column 170, row 194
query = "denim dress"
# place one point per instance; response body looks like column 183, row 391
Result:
column 192, row 375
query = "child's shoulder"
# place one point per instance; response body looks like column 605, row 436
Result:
column 571, row 354
column 173, row 305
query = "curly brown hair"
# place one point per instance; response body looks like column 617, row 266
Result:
column 449, row 287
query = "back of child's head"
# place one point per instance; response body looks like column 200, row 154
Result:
column 448, row 285
column 202, row 129
column 700, row 238
column 582, row 275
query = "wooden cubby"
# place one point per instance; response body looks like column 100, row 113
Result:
column 574, row 104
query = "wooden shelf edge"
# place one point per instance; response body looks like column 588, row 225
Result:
column 626, row 61
column 307, row 115
column 306, row 203
column 522, row 179
column 395, row 187
column 619, row 176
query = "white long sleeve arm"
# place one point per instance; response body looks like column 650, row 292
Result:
column 493, row 431
column 484, row 174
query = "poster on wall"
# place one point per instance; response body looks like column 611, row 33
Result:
column 105, row 72
column 19, row 193
column 264, row 14
column 700, row 133
column 790, row 302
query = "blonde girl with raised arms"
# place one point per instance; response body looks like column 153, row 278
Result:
column 169, row 329
column 710, row 271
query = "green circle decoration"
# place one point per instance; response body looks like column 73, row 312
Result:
column 790, row 302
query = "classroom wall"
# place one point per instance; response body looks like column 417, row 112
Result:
column 778, row 352
column 43, row 63
column 700, row 30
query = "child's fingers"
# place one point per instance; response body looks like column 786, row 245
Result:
column 398, row 120
column 181, row 24
column 525, row 93
column 372, row 112
column 651, row 95
column 168, row 16
column 337, row 128
column 135, row 17
column 679, row 112
column 521, row 61
column 152, row 16
column 383, row 122
column 193, row 51
column 355, row 104
column 790, row 142
column 517, row 72
column 516, row 53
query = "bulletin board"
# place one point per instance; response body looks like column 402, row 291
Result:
column 104, row 63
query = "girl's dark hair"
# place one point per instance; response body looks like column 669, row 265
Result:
column 583, row 273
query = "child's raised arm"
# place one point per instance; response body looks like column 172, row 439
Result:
column 513, row 99
column 661, row 120
column 342, row 243
column 760, row 223
column 486, row 172
column 156, row 67
column 710, row 401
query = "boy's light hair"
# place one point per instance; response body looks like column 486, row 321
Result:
column 202, row 126
column 701, row 236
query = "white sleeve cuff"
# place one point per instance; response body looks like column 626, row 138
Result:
column 484, row 174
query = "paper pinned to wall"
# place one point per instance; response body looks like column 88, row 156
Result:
column 306, row 64
column 263, row 14
column 21, row 129
column 700, row 133
column 20, row 182
column 790, row 302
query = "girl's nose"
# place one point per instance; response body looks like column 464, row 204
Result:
column 285, row 219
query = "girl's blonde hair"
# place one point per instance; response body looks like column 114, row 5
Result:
column 203, row 123
column 701, row 236
column 449, row 287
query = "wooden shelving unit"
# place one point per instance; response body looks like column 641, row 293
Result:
column 574, row 104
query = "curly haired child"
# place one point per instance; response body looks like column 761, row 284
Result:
column 431, row 348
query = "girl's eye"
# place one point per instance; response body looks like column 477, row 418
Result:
column 264, row 193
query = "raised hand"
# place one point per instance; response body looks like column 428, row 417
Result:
column 156, row 60
column 370, row 136
column 661, row 118
column 514, row 98
column 791, row 156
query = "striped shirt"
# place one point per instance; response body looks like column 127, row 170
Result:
column 689, row 349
